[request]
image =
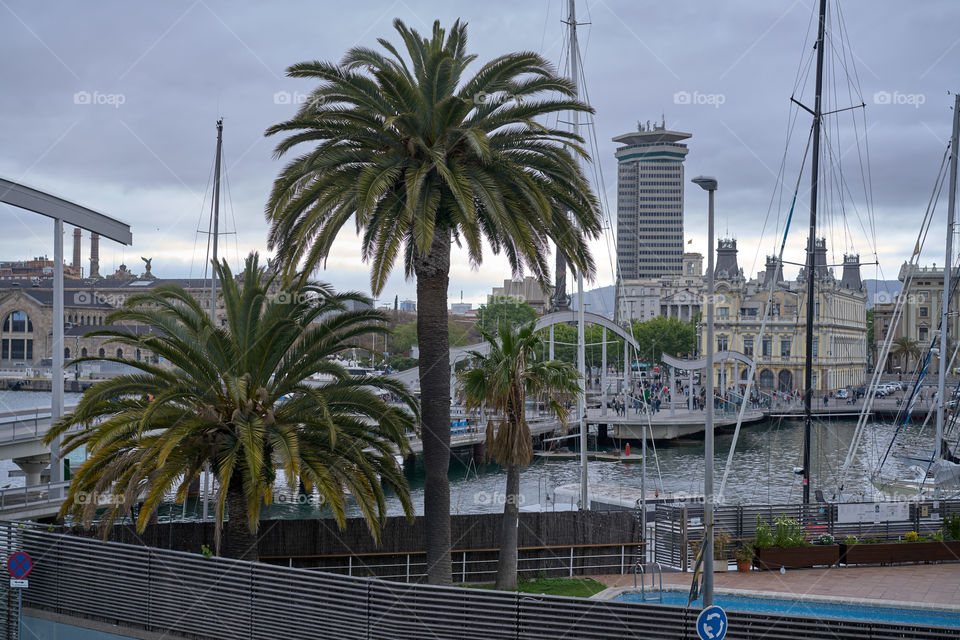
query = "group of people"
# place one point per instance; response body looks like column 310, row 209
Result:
column 646, row 399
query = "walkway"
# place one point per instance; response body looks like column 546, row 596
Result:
column 934, row 584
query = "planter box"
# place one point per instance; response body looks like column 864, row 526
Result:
column 895, row 552
column 797, row 557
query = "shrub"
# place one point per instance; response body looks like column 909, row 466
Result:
column 787, row 533
column 912, row 536
column 951, row 527
column 764, row 538
column 851, row 540
column 826, row 538
column 938, row 536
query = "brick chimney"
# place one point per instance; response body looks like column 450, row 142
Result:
column 94, row 255
column 76, row 249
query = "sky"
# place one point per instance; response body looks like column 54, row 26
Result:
column 113, row 105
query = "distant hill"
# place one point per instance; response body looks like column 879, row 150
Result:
column 881, row 291
column 599, row 300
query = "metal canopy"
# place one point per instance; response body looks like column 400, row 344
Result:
column 45, row 204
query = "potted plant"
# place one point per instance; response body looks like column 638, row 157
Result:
column 744, row 555
column 720, row 544
column 785, row 546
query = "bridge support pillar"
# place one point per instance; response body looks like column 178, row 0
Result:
column 32, row 467
column 602, row 432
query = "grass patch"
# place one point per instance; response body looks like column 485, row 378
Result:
column 577, row 587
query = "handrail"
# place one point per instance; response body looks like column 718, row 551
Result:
column 639, row 570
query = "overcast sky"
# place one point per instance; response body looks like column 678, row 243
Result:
column 113, row 105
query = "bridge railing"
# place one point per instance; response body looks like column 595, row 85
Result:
column 38, row 494
column 184, row 594
column 26, row 423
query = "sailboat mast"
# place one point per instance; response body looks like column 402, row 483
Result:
column 574, row 49
column 811, row 257
column 947, row 268
column 216, row 222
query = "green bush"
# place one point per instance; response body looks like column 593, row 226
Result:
column 851, row 540
column 787, row 533
column 951, row 527
column 764, row 538
column 826, row 538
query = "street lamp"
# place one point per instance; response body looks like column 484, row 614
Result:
column 709, row 185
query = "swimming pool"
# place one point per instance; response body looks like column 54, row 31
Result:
column 864, row 612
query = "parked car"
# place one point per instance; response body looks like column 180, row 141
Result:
column 842, row 394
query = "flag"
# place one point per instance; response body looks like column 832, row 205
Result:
column 697, row 576
column 916, row 249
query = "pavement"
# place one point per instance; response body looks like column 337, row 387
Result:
column 921, row 584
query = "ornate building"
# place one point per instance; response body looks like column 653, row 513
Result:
column 920, row 318
column 840, row 338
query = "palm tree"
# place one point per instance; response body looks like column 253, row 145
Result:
column 903, row 348
column 417, row 157
column 235, row 398
column 501, row 381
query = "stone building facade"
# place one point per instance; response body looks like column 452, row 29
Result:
column 840, row 338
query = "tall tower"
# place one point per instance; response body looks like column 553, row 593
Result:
column 650, row 202
column 76, row 249
column 94, row 255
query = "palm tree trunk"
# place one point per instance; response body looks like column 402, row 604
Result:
column 433, row 278
column 240, row 542
column 507, row 560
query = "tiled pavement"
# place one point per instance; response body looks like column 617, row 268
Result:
column 931, row 584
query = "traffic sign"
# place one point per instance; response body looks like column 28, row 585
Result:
column 19, row 565
column 712, row 623
column 19, row 583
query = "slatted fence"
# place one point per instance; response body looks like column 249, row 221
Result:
column 679, row 528
column 187, row 595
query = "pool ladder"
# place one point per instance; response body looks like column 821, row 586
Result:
column 638, row 571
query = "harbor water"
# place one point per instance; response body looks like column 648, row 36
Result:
column 761, row 472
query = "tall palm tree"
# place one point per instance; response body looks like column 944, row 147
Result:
column 904, row 348
column 501, row 381
column 236, row 398
column 419, row 156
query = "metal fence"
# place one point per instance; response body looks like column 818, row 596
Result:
column 679, row 528
column 187, row 595
column 477, row 565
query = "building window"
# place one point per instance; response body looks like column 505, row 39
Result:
column 816, row 347
column 17, row 337
column 767, row 347
column 923, row 334
column 102, row 353
column 748, row 347
column 83, row 352
column 119, row 353
column 722, row 343
column 723, row 312
column 923, row 312
column 785, row 348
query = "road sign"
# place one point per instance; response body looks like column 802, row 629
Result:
column 712, row 623
column 19, row 565
column 19, row 583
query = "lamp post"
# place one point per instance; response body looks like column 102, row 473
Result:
column 710, row 186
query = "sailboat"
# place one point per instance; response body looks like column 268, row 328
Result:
column 938, row 470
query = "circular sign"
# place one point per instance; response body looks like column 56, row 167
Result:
column 20, row 564
column 712, row 623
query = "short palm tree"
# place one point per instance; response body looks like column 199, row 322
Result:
column 416, row 156
column 236, row 398
column 501, row 381
column 904, row 348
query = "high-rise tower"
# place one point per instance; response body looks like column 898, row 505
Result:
column 650, row 202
